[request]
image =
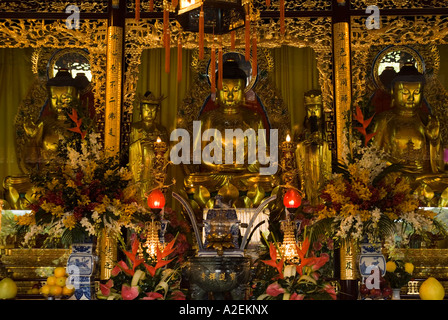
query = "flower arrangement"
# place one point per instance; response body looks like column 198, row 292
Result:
column 138, row 280
column 87, row 193
column 365, row 199
column 398, row 273
column 284, row 280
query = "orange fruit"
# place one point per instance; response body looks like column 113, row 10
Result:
column 55, row 290
column 51, row 280
column 59, row 272
column 60, row 281
column 45, row 290
column 68, row 290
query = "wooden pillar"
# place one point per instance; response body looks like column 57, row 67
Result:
column 346, row 258
column 114, row 75
column 113, row 113
column 342, row 70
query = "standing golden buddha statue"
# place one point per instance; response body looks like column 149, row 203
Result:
column 233, row 113
column 145, row 138
column 409, row 136
column 313, row 155
column 53, row 124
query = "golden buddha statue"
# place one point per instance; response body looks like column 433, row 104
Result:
column 146, row 135
column 408, row 136
column 313, row 155
column 232, row 171
column 53, row 124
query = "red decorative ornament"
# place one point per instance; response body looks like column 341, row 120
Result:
column 292, row 199
column 156, row 200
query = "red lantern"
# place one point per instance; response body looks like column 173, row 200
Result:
column 156, row 200
column 292, row 199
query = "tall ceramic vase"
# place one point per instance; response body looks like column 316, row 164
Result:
column 80, row 268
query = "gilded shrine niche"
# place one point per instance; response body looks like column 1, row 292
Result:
column 403, row 43
column 79, row 51
column 179, row 111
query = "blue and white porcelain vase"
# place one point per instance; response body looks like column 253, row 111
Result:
column 371, row 258
column 80, row 268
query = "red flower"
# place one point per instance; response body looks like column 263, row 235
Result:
column 160, row 256
column 273, row 262
column 152, row 296
column 296, row 296
column 135, row 261
column 330, row 290
column 274, row 289
column 178, row 295
column 105, row 288
column 78, row 122
column 116, row 270
column 129, row 293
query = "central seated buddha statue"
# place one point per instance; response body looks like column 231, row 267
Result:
column 230, row 111
column 410, row 137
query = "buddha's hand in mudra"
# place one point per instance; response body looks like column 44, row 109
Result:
column 433, row 128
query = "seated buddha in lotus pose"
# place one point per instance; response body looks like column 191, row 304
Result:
column 53, row 124
column 409, row 137
column 233, row 165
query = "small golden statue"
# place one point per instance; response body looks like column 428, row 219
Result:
column 230, row 112
column 149, row 142
column 313, row 155
column 53, row 124
column 408, row 136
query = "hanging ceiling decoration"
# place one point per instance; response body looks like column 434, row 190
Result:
column 220, row 16
column 215, row 17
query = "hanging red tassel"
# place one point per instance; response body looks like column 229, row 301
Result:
column 166, row 16
column 220, row 65
column 137, row 10
column 247, row 34
column 167, row 51
column 201, row 34
column 166, row 37
column 254, row 55
column 232, row 39
column 268, row 3
column 175, row 2
column 151, row 5
column 213, row 68
column 282, row 17
column 179, row 58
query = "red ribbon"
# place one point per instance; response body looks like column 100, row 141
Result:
column 137, row 10
column 254, row 55
column 232, row 39
column 282, row 17
column 167, row 51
